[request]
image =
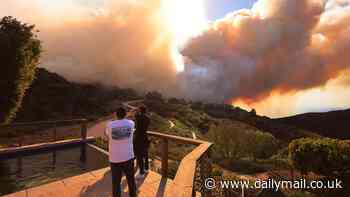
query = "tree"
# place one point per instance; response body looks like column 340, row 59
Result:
column 19, row 55
column 265, row 145
column 233, row 140
column 253, row 112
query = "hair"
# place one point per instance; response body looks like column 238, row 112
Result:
column 121, row 113
column 143, row 109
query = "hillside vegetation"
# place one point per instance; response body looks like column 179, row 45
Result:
column 333, row 124
column 281, row 131
column 52, row 97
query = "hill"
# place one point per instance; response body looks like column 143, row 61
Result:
column 333, row 124
column 52, row 97
column 280, row 130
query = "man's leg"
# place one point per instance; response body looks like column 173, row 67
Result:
column 116, row 179
column 139, row 159
column 128, row 170
column 146, row 160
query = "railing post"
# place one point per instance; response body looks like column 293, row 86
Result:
column 83, row 153
column 55, row 132
column 20, row 143
column 20, row 139
column 54, row 155
column 19, row 166
column 84, row 130
column 164, row 152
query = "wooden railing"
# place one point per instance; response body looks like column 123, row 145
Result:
column 184, row 181
column 50, row 124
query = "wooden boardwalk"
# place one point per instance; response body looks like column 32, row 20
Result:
column 98, row 184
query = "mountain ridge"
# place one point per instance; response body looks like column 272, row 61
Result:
column 334, row 124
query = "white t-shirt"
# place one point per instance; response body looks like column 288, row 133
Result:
column 120, row 134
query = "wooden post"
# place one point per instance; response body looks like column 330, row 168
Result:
column 54, row 159
column 55, row 132
column 21, row 139
column 83, row 153
column 164, row 152
column 84, row 130
column 19, row 166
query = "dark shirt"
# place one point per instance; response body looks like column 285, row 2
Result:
column 141, row 142
column 142, row 123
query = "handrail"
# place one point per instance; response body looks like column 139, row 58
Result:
column 83, row 129
column 185, row 176
column 184, row 179
column 186, row 172
column 39, row 123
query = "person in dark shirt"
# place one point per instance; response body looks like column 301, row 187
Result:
column 141, row 142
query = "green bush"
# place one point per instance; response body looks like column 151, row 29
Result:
column 324, row 156
column 234, row 140
column 19, row 55
column 264, row 145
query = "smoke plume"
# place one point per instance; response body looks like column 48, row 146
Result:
column 278, row 46
column 123, row 43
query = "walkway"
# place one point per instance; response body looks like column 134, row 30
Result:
column 98, row 129
column 97, row 184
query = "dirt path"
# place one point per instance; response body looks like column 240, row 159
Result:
column 172, row 125
column 194, row 135
column 98, row 129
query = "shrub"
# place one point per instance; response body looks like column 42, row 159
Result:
column 235, row 140
column 324, row 156
column 264, row 145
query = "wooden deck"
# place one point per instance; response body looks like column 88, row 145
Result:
column 98, row 184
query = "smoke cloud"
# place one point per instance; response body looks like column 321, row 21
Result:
column 123, row 43
column 277, row 47
column 275, row 50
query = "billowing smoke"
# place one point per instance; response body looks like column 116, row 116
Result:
column 278, row 46
column 123, row 43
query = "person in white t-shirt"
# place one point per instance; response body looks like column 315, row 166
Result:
column 121, row 153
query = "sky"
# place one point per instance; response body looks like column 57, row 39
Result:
column 217, row 9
